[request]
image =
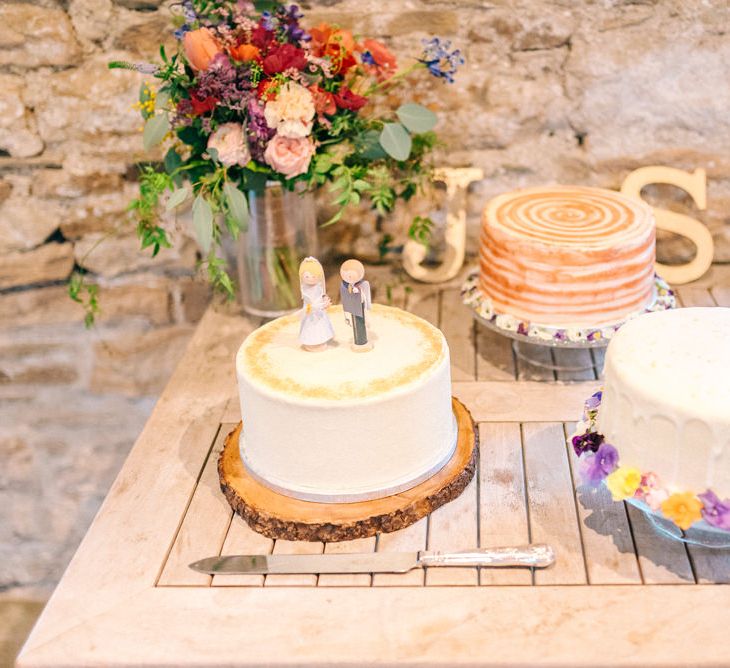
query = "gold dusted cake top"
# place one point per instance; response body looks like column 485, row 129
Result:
column 406, row 349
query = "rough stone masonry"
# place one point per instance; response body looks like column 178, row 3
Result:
column 552, row 91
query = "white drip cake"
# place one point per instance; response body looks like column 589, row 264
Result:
column 666, row 398
column 338, row 426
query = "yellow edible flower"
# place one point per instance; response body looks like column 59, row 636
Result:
column 623, row 483
column 683, row 509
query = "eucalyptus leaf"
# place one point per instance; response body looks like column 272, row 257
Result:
column 155, row 130
column 368, row 145
column 203, row 223
column 237, row 205
column 416, row 117
column 177, row 198
column 396, row 141
column 161, row 100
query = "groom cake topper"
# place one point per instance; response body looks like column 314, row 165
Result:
column 355, row 297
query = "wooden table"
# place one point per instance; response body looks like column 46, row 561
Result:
column 619, row 594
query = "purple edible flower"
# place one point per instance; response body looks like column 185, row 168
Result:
column 560, row 335
column 439, row 60
column 522, row 328
column 595, row 467
column 714, row 511
column 588, row 442
column 594, row 401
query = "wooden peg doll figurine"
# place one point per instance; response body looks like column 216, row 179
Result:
column 315, row 328
column 355, row 295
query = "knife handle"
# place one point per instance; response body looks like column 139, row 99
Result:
column 533, row 556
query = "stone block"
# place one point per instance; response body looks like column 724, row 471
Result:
column 50, row 262
column 37, row 362
column 31, row 36
column 195, row 295
column 142, row 38
column 18, row 132
column 114, row 256
column 443, row 23
column 136, row 363
column 25, row 221
column 92, row 19
column 99, row 212
column 147, row 301
column 86, row 103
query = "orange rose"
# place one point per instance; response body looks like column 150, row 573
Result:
column 200, row 48
column 335, row 44
column 245, row 52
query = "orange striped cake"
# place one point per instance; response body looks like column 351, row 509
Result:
column 567, row 255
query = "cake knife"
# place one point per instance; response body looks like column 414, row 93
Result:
column 529, row 556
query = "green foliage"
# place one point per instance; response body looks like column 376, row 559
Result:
column 416, row 118
column 155, row 129
column 236, row 208
column 86, row 294
column 152, row 184
column 396, row 141
column 203, row 222
column 218, row 276
column 421, row 230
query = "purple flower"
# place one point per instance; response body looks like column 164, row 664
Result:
column 714, row 511
column 257, row 130
column 522, row 328
column 267, row 21
column 588, row 442
column 225, row 82
column 367, row 58
column 594, row 401
column 560, row 335
column 439, row 60
column 595, row 467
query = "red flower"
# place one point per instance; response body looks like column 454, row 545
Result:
column 264, row 89
column 261, row 37
column 324, row 101
column 346, row 99
column 283, row 58
column 202, row 106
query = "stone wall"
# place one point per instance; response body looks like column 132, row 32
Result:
column 553, row 91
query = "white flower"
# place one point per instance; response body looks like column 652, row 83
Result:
column 229, row 144
column 291, row 113
column 507, row 322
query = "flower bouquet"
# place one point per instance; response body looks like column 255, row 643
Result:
column 251, row 97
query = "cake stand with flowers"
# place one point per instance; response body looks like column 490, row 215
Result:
column 695, row 518
column 527, row 335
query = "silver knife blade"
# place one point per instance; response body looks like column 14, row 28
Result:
column 533, row 556
column 396, row 562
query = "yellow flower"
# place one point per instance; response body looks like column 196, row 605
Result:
column 623, row 482
column 683, row 509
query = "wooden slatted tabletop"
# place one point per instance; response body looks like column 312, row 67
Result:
column 129, row 598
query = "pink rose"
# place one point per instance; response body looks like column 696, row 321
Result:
column 289, row 156
column 229, row 144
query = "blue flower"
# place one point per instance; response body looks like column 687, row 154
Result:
column 189, row 11
column 180, row 32
column 267, row 21
column 439, row 60
column 367, row 58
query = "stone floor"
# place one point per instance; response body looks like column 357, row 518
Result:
column 17, row 617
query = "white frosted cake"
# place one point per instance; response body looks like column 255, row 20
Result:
column 338, row 426
column 666, row 398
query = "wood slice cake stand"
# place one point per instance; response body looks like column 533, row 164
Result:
column 278, row 516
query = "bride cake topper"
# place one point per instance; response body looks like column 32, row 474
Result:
column 355, row 297
column 315, row 328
